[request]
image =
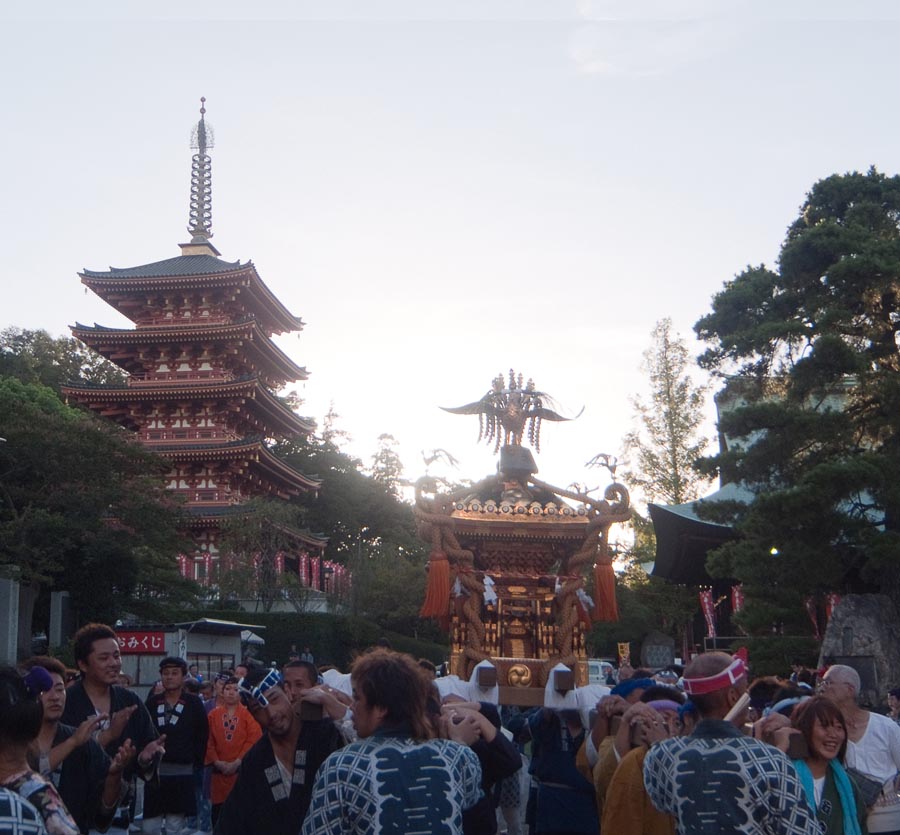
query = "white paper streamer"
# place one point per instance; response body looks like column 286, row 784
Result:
column 339, row 681
column 587, row 698
column 585, row 600
column 555, row 700
column 490, row 596
column 454, row 686
column 484, row 694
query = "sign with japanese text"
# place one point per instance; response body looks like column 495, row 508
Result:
column 142, row 643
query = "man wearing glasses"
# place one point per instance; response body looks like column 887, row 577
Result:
column 873, row 746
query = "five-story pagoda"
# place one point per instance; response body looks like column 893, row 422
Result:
column 202, row 370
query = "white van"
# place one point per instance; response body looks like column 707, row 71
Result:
column 598, row 670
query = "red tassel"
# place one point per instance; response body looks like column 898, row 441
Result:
column 605, row 606
column 437, row 593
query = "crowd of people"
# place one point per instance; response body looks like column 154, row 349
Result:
column 388, row 748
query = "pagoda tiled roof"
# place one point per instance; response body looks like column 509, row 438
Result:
column 305, row 535
column 199, row 512
column 175, row 332
column 249, row 329
column 215, row 510
column 231, row 450
column 250, row 441
column 247, row 384
column 171, row 267
column 191, row 271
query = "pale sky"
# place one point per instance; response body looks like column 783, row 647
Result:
column 442, row 190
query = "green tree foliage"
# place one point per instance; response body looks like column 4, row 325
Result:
column 331, row 432
column 663, row 449
column 85, row 510
column 248, row 548
column 811, row 352
column 645, row 604
column 666, row 442
column 34, row 356
column 393, row 593
column 334, row 639
column 369, row 530
column 351, row 509
column 387, row 468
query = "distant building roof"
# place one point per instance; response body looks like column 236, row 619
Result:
column 209, row 626
column 218, row 627
column 683, row 539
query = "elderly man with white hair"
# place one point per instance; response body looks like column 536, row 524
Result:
column 873, row 746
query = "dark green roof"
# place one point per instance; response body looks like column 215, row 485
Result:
column 180, row 265
column 238, row 320
column 217, row 510
column 241, row 510
column 249, row 439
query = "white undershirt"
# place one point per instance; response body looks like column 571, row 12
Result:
column 877, row 754
column 819, row 789
column 287, row 774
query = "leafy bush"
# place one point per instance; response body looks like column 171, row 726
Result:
column 334, row 639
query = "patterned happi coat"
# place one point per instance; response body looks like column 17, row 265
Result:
column 262, row 802
column 719, row 781
column 390, row 783
column 18, row 815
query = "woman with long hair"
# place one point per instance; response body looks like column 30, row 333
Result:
column 829, row 790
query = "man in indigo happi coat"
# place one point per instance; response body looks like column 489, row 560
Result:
column 397, row 778
column 717, row 780
column 124, row 717
column 180, row 716
column 276, row 775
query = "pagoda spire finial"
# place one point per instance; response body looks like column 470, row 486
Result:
column 200, row 223
column 201, row 179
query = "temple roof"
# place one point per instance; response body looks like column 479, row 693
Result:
column 305, row 535
column 683, row 539
column 199, row 514
column 500, row 506
column 170, row 267
column 110, row 341
column 122, row 286
column 253, row 449
column 248, row 386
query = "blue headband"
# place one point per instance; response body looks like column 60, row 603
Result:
column 627, row 687
column 273, row 679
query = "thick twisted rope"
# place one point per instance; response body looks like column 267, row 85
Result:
column 602, row 514
column 435, row 525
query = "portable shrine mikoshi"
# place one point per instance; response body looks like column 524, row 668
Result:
column 509, row 556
